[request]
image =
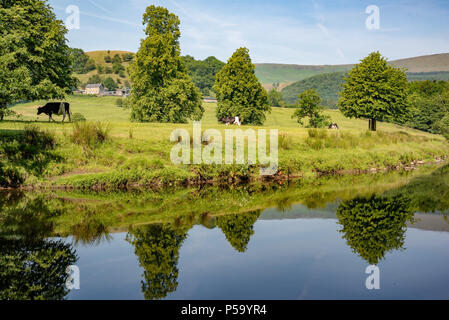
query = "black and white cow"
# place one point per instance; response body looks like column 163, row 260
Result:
column 228, row 120
column 56, row 108
column 334, row 126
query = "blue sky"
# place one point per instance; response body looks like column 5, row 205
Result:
column 285, row 31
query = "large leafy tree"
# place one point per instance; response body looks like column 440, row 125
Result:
column 34, row 57
column 374, row 90
column 309, row 106
column 162, row 88
column 239, row 92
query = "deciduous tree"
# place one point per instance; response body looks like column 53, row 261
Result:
column 162, row 89
column 309, row 106
column 374, row 90
column 34, row 57
column 239, row 92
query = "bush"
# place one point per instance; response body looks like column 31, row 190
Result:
column 119, row 102
column 89, row 135
column 78, row 117
column 10, row 177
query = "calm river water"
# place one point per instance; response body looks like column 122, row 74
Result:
column 306, row 240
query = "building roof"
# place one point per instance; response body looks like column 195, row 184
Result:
column 96, row 85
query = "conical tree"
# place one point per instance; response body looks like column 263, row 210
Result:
column 162, row 89
column 239, row 92
column 374, row 90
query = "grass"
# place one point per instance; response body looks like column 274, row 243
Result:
column 91, row 216
column 139, row 153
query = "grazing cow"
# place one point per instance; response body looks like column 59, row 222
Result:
column 334, row 126
column 56, row 108
column 229, row 120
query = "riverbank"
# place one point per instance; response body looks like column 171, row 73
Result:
column 132, row 155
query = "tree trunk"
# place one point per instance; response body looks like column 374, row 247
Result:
column 2, row 111
column 373, row 125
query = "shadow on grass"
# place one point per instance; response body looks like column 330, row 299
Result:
column 30, row 122
column 30, row 148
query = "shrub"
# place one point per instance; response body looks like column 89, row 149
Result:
column 119, row 102
column 78, row 117
column 10, row 177
column 89, row 135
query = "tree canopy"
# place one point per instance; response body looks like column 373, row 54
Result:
column 203, row 72
column 309, row 106
column 374, row 90
column 239, row 92
column 162, row 88
column 34, row 57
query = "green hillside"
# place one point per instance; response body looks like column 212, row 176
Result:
column 327, row 85
column 421, row 76
column 430, row 67
column 284, row 73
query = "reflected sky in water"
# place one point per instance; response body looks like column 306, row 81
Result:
column 297, row 258
column 306, row 240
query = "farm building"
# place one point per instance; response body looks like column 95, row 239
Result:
column 95, row 89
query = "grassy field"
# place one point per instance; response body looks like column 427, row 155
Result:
column 137, row 153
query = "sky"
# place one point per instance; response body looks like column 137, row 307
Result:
column 308, row 32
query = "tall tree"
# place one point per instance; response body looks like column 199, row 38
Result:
column 374, row 90
column 239, row 92
column 34, row 57
column 162, row 89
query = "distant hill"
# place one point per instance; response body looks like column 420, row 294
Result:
column 327, row 85
column 99, row 58
column 268, row 73
column 284, row 73
column 330, row 84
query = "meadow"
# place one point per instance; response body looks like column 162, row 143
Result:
column 138, row 154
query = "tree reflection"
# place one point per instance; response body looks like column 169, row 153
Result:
column 157, row 247
column 238, row 228
column 31, row 267
column 34, row 270
column 374, row 226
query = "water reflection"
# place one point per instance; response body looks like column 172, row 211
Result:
column 238, row 228
column 376, row 225
column 157, row 248
column 31, row 265
column 373, row 212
